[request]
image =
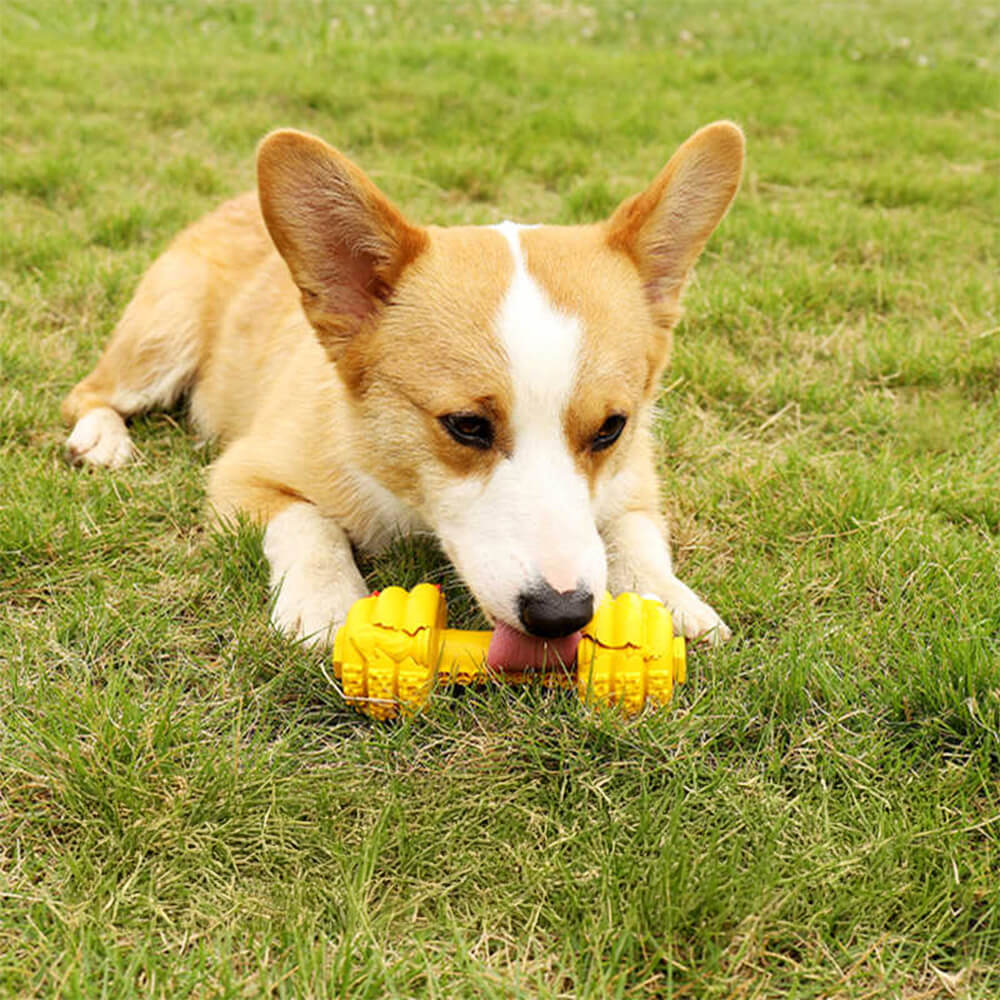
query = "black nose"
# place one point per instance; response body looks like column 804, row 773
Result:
column 551, row 614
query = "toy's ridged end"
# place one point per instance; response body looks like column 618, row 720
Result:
column 385, row 653
column 629, row 654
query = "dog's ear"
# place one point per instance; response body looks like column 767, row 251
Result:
column 665, row 227
column 345, row 243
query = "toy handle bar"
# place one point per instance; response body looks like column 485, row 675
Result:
column 394, row 646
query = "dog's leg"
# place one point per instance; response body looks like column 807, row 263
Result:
column 314, row 579
column 639, row 560
column 150, row 359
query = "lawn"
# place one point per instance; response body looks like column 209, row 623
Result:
column 187, row 807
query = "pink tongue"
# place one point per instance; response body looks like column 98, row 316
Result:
column 513, row 650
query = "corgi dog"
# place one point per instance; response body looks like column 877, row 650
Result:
column 368, row 377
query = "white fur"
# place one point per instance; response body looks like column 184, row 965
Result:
column 100, row 437
column 533, row 517
column 313, row 575
column 542, row 345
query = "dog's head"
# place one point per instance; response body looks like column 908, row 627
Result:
column 502, row 378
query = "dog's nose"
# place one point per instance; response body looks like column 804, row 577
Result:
column 551, row 614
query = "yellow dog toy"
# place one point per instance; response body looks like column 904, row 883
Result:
column 394, row 647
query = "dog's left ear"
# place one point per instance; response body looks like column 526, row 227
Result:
column 345, row 243
column 665, row 228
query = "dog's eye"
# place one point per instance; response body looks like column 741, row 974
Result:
column 609, row 432
column 469, row 429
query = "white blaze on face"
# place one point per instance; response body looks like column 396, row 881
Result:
column 532, row 519
column 542, row 344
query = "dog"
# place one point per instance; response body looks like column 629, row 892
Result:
column 369, row 377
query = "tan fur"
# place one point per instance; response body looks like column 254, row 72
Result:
column 170, row 329
column 323, row 369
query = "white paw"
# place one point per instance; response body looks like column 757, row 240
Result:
column 697, row 620
column 100, row 437
column 313, row 576
column 303, row 611
column 693, row 618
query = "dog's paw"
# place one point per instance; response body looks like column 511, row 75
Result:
column 699, row 621
column 693, row 618
column 313, row 576
column 101, row 438
column 309, row 615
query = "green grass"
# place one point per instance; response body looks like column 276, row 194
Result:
column 187, row 809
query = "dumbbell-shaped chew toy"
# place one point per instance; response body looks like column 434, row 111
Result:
column 394, row 647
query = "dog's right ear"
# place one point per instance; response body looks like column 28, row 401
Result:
column 345, row 243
